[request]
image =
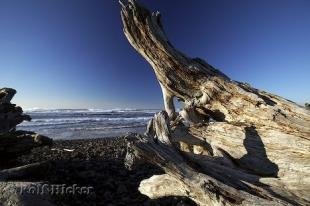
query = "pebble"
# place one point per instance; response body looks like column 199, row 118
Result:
column 98, row 163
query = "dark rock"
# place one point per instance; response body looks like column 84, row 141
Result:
column 121, row 189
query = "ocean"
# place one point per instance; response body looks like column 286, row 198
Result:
column 86, row 123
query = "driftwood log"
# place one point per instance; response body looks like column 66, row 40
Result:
column 14, row 190
column 15, row 143
column 231, row 144
column 10, row 114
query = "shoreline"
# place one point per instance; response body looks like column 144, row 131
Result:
column 86, row 123
column 97, row 163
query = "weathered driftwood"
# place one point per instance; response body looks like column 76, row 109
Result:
column 14, row 143
column 14, row 193
column 25, row 171
column 242, row 145
column 10, row 114
column 17, row 143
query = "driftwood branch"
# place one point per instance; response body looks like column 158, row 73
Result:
column 231, row 143
column 14, row 143
column 25, row 171
column 14, row 190
column 10, row 114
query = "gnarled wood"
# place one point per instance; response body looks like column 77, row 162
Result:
column 243, row 145
column 14, row 143
column 205, row 182
column 17, row 143
column 10, row 114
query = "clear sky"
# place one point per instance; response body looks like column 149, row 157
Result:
column 73, row 53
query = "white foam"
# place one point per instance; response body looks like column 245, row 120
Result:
column 74, row 120
column 38, row 110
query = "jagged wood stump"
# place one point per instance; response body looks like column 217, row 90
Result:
column 15, row 143
column 10, row 114
column 231, row 144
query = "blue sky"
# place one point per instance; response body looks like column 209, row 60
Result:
column 73, row 54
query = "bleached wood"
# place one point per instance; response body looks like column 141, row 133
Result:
column 256, row 152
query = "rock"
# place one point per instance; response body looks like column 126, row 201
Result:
column 121, row 189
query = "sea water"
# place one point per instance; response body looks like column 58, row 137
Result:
column 86, row 123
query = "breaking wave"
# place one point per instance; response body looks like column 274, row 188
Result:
column 86, row 123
